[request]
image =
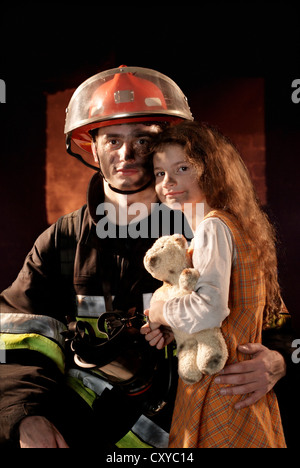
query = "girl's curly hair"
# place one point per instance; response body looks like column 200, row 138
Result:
column 226, row 183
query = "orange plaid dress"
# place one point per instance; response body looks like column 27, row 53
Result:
column 202, row 417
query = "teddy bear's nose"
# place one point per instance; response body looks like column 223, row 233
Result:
column 154, row 261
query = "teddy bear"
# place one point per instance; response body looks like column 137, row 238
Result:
column 202, row 353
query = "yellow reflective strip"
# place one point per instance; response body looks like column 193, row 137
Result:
column 85, row 393
column 132, row 441
column 35, row 343
column 17, row 324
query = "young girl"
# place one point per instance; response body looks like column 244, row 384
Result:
column 234, row 251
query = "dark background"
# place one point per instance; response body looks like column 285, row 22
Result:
column 51, row 47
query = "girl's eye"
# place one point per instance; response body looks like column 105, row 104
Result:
column 159, row 174
column 183, row 168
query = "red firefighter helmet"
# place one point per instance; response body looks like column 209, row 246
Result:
column 123, row 95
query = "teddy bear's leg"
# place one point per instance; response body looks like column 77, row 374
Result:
column 187, row 362
column 212, row 351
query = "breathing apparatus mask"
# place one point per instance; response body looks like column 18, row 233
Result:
column 122, row 357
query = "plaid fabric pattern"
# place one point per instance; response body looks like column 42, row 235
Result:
column 202, row 417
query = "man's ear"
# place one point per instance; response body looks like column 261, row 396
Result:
column 95, row 154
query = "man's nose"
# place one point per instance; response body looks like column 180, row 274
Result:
column 126, row 152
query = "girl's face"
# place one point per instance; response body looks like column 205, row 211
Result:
column 175, row 178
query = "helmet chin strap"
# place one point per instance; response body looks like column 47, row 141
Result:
column 78, row 156
column 128, row 192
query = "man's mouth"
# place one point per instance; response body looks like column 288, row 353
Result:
column 128, row 170
column 173, row 194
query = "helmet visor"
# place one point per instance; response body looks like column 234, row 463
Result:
column 123, row 93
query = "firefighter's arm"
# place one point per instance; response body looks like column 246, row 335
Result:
column 30, row 334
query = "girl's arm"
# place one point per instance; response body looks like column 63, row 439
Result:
column 207, row 306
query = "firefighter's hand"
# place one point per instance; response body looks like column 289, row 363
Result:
column 38, row 432
column 254, row 377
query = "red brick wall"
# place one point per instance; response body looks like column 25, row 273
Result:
column 66, row 179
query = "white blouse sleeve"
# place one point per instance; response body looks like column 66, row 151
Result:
column 213, row 256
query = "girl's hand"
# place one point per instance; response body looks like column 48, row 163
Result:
column 156, row 314
column 155, row 333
